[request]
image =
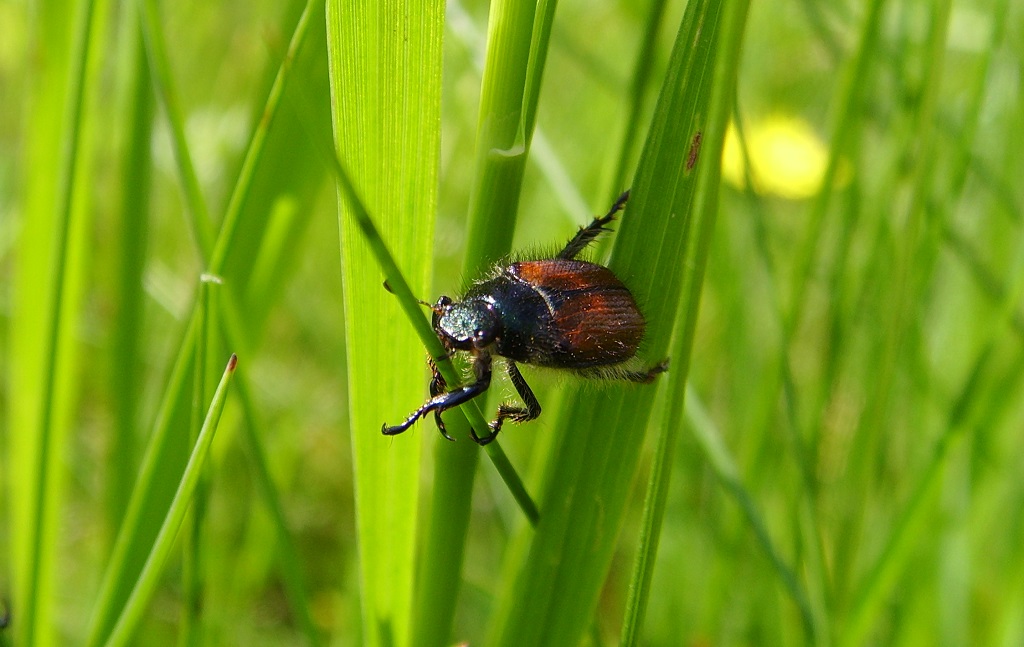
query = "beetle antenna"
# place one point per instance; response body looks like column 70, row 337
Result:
column 387, row 286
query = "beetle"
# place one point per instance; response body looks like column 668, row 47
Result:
column 558, row 312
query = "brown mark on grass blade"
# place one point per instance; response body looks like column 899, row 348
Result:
column 691, row 159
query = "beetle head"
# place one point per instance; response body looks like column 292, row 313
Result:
column 466, row 325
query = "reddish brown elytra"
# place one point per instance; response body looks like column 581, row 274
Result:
column 591, row 315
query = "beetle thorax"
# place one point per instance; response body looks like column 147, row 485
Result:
column 474, row 323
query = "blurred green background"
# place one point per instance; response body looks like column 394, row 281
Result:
column 858, row 355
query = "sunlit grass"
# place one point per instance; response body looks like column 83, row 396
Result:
column 853, row 395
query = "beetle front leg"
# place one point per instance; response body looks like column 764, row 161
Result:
column 438, row 385
column 444, row 401
column 439, row 404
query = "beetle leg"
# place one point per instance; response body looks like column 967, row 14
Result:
column 516, row 414
column 438, row 385
column 444, row 401
column 587, row 234
column 440, row 403
column 646, row 377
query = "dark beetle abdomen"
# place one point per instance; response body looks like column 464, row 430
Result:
column 584, row 315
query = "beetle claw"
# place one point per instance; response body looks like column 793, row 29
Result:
column 485, row 440
column 440, row 425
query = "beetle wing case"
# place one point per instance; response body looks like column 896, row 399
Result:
column 591, row 317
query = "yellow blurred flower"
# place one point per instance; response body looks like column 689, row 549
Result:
column 787, row 158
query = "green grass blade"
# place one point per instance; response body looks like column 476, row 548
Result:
column 706, row 159
column 878, row 582
column 149, row 577
column 555, row 592
column 727, row 471
column 511, row 83
column 288, row 553
column 847, row 120
column 385, row 69
column 50, row 290
column 270, row 170
column 517, row 42
column 126, row 365
column 153, row 490
column 638, row 95
column 166, row 452
column 191, row 543
column 199, row 216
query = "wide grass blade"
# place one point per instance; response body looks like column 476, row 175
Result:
column 385, row 70
column 50, row 286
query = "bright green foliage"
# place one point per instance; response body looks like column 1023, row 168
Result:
column 826, row 232
column 386, row 95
